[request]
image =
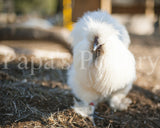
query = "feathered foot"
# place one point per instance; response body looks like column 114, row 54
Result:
column 85, row 110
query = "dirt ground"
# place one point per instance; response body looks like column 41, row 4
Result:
column 40, row 97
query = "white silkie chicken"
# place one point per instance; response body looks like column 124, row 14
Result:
column 103, row 68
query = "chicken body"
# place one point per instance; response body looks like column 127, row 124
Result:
column 103, row 68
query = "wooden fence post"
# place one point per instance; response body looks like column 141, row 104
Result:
column 67, row 14
column 106, row 5
column 149, row 10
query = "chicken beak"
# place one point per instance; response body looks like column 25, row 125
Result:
column 95, row 47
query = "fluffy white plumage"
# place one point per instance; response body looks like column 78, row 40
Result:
column 106, row 74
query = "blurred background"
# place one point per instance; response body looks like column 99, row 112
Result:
column 32, row 26
column 34, row 35
column 14, row 11
column 140, row 17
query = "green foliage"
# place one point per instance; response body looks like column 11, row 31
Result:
column 42, row 7
column 1, row 5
